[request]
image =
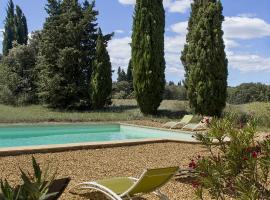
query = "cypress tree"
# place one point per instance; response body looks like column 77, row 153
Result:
column 21, row 29
column 15, row 28
column 205, row 60
column 9, row 34
column 101, row 82
column 148, row 54
column 129, row 72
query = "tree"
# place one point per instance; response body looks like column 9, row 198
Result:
column 129, row 72
column 21, row 29
column 148, row 54
column 205, row 60
column 122, row 76
column 9, row 34
column 101, row 82
column 67, row 52
column 17, row 76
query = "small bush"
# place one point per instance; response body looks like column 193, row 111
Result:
column 34, row 187
column 238, row 168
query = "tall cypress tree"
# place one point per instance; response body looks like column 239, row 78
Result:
column 205, row 59
column 21, row 29
column 101, row 82
column 15, row 28
column 9, row 34
column 129, row 72
column 148, row 54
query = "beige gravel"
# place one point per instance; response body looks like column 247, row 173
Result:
column 85, row 165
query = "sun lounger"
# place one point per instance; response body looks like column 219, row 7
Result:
column 177, row 125
column 201, row 126
column 128, row 187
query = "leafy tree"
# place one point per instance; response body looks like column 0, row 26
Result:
column 122, row 76
column 67, row 51
column 17, row 76
column 148, row 54
column 205, row 60
column 129, row 72
column 122, row 90
column 101, row 82
column 249, row 92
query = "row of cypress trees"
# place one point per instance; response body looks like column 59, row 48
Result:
column 73, row 66
column 15, row 27
column 203, row 57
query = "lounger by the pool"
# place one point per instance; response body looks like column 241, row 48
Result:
column 128, row 187
column 201, row 126
column 184, row 121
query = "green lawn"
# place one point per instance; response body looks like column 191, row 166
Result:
column 124, row 110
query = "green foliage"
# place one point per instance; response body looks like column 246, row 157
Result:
column 67, row 52
column 15, row 28
column 122, row 76
column 34, row 187
column 21, row 28
column 101, row 81
column 122, row 90
column 130, row 72
column 248, row 92
column 175, row 92
column 238, row 168
column 204, row 59
column 9, row 34
column 17, row 76
column 148, row 54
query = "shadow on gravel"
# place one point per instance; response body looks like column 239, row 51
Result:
column 171, row 114
column 99, row 196
column 186, row 180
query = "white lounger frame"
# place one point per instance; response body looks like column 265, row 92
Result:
column 109, row 193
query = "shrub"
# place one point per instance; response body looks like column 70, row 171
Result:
column 238, row 168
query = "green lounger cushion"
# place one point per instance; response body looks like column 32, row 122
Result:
column 118, row 185
column 153, row 179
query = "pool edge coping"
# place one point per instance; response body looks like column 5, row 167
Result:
column 13, row 151
column 53, row 148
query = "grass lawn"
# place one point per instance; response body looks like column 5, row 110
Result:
column 124, row 110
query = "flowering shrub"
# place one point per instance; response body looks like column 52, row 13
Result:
column 238, row 166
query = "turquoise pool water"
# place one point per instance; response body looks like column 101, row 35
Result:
column 32, row 135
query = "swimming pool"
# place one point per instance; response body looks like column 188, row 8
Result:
column 34, row 135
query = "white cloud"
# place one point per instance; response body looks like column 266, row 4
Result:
column 247, row 15
column 181, row 6
column 127, row 2
column 245, row 28
column 120, row 52
column 180, row 27
column 119, row 31
column 249, row 62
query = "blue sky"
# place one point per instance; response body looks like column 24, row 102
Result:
column 246, row 27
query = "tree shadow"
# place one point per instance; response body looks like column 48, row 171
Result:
column 171, row 114
column 188, row 180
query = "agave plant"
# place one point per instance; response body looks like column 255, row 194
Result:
column 34, row 187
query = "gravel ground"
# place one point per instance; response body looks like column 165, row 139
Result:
column 86, row 165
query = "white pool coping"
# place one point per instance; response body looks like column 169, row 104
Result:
column 52, row 148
